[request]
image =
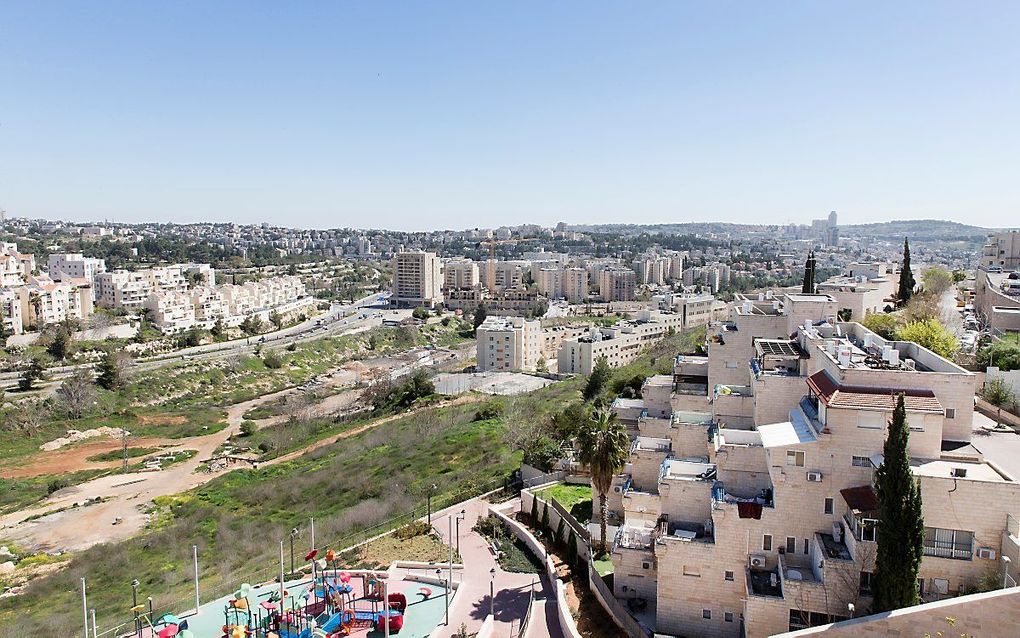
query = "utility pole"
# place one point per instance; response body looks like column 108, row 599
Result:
column 124, row 450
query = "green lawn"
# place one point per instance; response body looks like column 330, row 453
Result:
column 567, row 495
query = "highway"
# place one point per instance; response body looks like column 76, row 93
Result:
column 364, row 313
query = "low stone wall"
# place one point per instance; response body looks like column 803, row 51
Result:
column 566, row 620
column 613, row 606
column 555, row 516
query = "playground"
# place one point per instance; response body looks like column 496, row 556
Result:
column 334, row 603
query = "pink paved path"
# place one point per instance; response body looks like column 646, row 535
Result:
column 471, row 604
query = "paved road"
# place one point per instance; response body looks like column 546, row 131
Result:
column 512, row 591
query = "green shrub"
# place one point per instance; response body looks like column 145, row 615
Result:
column 57, row 484
column 272, row 361
column 411, row 530
column 248, row 427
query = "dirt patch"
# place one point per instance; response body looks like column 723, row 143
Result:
column 74, row 459
column 162, row 419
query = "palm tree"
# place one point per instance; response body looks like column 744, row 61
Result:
column 605, row 448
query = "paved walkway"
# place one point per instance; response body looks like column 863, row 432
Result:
column 512, row 591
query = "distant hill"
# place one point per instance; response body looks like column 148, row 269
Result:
column 918, row 230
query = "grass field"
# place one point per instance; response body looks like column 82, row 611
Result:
column 576, row 499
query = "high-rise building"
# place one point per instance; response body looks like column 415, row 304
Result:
column 417, row 280
column 617, row 284
column 508, row 344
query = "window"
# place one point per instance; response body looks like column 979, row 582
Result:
column 806, row 548
column 871, row 420
column 766, row 543
column 728, row 616
column 728, row 575
column 948, row 543
column 706, row 614
column 795, row 458
column 860, row 461
column 791, row 545
column 869, row 527
column 950, row 413
column 865, row 583
column 645, row 565
column 829, row 504
column 732, row 365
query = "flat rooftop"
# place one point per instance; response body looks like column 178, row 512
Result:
column 951, row 469
column 688, row 470
column 796, row 431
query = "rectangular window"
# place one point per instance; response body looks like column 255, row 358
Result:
column 869, row 528
column 706, row 614
column 950, row 413
column 728, row 575
column 766, row 543
column 791, row 545
column 948, row 543
column 860, row 461
column 728, row 616
column 795, row 458
column 865, row 583
column 829, row 504
column 806, row 548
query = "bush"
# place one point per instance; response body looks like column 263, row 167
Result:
column 292, row 346
column 57, row 484
column 266, row 447
column 272, row 361
column 248, row 428
column 488, row 411
column 420, row 313
column 488, row 526
column 411, row 530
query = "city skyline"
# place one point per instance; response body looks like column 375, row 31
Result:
column 420, row 117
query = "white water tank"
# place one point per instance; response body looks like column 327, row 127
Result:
column 747, row 307
column 885, row 352
column 894, row 357
column 844, row 357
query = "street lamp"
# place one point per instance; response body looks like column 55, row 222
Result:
column 460, row 517
column 134, row 606
column 293, row 533
column 446, row 594
column 850, row 607
column 1005, row 570
column 429, row 494
column 492, row 593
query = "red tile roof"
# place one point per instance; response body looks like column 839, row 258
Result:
column 837, row 395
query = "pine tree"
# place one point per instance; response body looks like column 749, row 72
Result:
column 900, row 522
column 907, row 282
column 109, row 370
column 809, row 275
column 480, row 314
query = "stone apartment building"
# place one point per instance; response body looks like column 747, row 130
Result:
column 750, row 509
column 563, row 283
column 1001, row 252
column 864, row 288
column 619, row 344
column 508, row 344
column 617, row 284
column 417, row 280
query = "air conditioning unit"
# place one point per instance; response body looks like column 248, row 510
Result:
column 814, row 476
column 757, row 561
column 986, row 552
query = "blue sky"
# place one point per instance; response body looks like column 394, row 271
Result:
column 418, row 115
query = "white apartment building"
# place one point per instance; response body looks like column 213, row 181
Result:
column 617, row 284
column 694, row 309
column 619, row 344
column 1002, row 252
column 130, row 289
column 503, row 275
column 10, row 311
column 417, row 280
column 563, row 283
column 756, row 515
column 64, row 266
column 200, row 307
column 44, row 301
column 508, row 344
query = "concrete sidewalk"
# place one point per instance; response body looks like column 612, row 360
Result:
column 512, row 590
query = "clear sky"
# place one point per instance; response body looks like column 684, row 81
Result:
column 417, row 115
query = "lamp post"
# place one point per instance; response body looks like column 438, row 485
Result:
column 134, row 606
column 293, row 533
column 446, row 594
column 850, row 607
column 1005, row 570
column 429, row 493
column 460, row 517
column 492, row 593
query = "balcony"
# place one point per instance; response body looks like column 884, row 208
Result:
column 766, row 583
column 635, row 538
column 684, row 531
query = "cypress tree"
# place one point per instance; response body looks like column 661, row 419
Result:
column 809, row 275
column 907, row 282
column 900, row 522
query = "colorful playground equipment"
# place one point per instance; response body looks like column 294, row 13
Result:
column 326, row 608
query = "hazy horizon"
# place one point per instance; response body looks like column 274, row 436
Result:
column 420, row 116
